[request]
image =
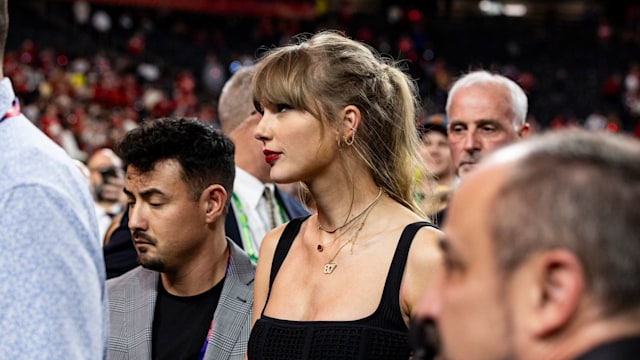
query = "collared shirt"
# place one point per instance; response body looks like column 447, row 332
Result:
column 51, row 270
column 105, row 218
column 249, row 191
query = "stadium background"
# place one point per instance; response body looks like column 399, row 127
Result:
column 87, row 71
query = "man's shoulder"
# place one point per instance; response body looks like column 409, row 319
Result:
column 619, row 349
column 34, row 160
column 242, row 262
column 137, row 278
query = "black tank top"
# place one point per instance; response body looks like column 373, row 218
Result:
column 381, row 335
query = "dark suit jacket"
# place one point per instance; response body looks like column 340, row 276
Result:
column 292, row 207
column 119, row 254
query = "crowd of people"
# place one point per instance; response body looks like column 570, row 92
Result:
column 144, row 221
column 86, row 93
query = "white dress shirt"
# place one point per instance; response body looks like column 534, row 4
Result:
column 105, row 217
column 249, row 191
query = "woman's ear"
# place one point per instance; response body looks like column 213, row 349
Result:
column 350, row 123
column 214, row 201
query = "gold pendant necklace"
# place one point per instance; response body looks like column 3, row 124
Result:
column 353, row 219
column 330, row 265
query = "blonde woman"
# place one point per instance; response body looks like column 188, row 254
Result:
column 342, row 283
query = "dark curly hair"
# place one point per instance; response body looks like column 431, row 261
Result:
column 204, row 153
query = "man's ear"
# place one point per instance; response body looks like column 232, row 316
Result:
column 558, row 289
column 524, row 131
column 214, row 201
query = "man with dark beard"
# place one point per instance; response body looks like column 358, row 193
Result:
column 192, row 295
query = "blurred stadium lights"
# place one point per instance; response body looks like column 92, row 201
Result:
column 270, row 8
column 515, row 10
column 495, row 8
column 396, row 9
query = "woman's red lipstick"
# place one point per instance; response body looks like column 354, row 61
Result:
column 270, row 156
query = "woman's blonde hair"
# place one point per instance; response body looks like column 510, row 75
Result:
column 326, row 72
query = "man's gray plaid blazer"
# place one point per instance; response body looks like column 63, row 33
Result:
column 132, row 299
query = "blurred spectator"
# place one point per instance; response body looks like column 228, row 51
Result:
column 142, row 59
column 53, row 296
column 107, row 183
column 531, row 248
column 485, row 111
column 436, row 152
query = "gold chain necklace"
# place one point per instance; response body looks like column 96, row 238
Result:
column 330, row 265
column 353, row 219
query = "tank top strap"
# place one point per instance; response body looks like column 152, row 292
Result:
column 390, row 303
column 284, row 244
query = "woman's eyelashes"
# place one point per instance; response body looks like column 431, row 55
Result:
column 283, row 107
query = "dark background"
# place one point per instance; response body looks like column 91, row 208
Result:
column 577, row 60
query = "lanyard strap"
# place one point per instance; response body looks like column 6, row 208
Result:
column 206, row 339
column 245, row 231
column 13, row 111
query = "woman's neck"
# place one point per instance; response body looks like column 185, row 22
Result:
column 338, row 203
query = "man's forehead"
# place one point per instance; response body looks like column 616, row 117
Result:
column 104, row 157
column 434, row 136
column 483, row 91
column 470, row 208
column 483, row 183
column 164, row 171
column 478, row 101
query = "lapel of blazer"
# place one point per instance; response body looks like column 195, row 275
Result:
column 231, row 227
column 232, row 317
column 145, row 294
column 132, row 299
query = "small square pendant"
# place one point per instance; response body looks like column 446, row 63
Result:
column 329, row 267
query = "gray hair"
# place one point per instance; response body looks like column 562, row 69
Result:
column 519, row 102
column 579, row 191
column 236, row 100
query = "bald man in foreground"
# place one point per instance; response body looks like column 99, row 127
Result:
column 542, row 254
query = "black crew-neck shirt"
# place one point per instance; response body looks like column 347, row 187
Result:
column 181, row 324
